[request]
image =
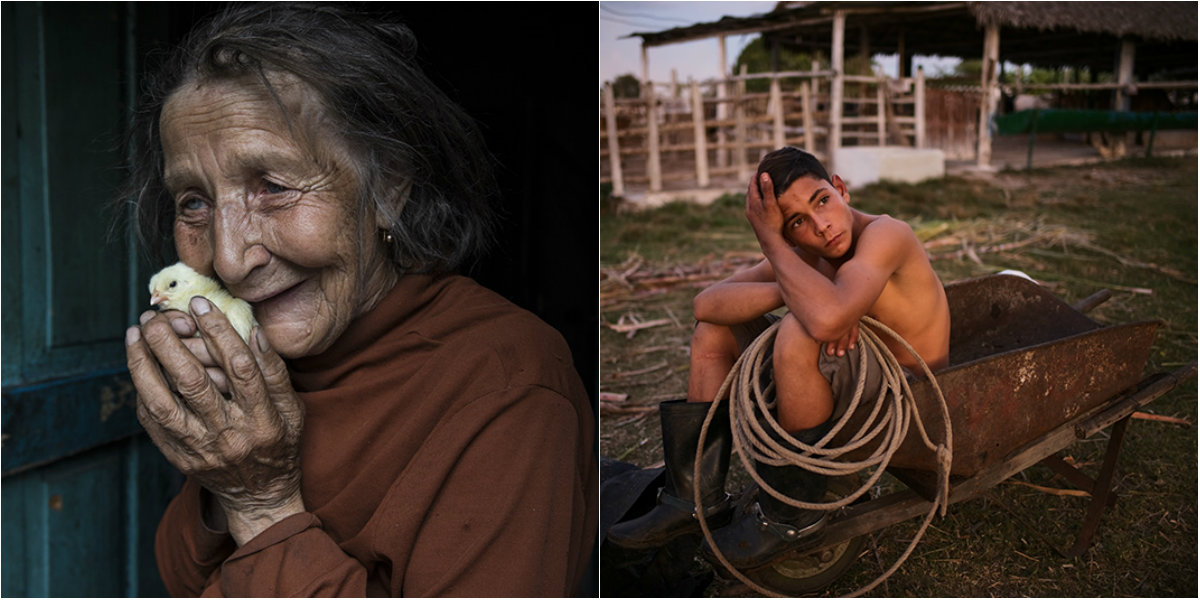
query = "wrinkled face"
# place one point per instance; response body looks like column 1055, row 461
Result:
column 272, row 212
column 817, row 216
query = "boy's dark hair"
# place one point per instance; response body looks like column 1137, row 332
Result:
column 398, row 125
column 788, row 164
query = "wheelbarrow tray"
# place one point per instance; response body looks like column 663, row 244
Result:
column 1022, row 363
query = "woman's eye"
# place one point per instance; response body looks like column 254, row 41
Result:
column 191, row 204
column 273, row 188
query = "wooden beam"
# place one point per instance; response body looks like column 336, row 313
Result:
column 919, row 108
column 653, row 162
column 777, row 112
column 1125, row 74
column 614, row 150
column 722, row 106
column 739, row 114
column 837, row 60
column 699, row 137
column 810, row 136
column 880, row 106
column 987, row 104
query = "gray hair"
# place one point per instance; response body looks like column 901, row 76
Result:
column 400, row 128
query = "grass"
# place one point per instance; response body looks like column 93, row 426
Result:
column 1128, row 226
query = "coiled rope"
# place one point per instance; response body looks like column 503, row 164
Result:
column 893, row 411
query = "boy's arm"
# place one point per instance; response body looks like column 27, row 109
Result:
column 741, row 297
column 827, row 308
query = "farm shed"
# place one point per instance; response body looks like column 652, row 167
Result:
column 1149, row 47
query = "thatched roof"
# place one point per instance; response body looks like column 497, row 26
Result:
column 1048, row 34
column 1150, row 21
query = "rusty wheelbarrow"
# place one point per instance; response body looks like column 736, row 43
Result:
column 1028, row 376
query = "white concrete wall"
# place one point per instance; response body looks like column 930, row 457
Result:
column 864, row 165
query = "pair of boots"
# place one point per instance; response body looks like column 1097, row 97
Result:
column 766, row 529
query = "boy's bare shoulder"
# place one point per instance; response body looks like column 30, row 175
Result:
column 887, row 230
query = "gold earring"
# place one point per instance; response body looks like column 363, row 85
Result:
column 387, row 238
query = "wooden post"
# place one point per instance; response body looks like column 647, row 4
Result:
column 806, row 97
column 902, row 66
column 653, row 164
column 739, row 144
column 881, row 103
column 837, row 60
column 919, row 108
column 645, row 65
column 1124, row 75
column 777, row 103
column 614, row 150
column 698, row 138
column 987, row 105
column 722, row 106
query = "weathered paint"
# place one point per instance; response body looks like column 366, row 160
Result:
column 83, row 488
column 1022, row 362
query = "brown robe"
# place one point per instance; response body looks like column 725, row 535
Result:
column 448, row 450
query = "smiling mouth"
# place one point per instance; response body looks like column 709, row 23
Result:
column 277, row 296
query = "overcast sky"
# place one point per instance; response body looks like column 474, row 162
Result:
column 699, row 59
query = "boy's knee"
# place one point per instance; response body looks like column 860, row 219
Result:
column 713, row 340
column 792, row 340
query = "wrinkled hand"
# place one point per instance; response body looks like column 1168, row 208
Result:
column 183, row 325
column 762, row 209
column 244, row 449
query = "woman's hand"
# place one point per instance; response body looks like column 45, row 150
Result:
column 183, row 324
column 244, row 449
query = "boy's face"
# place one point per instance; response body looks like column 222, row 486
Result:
column 817, row 216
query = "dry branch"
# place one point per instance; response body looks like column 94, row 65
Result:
column 1050, row 490
column 612, row 397
column 1145, row 416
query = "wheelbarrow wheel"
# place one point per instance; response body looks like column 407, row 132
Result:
column 802, row 572
column 808, row 571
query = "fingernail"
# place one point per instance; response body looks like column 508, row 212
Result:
column 180, row 326
column 261, row 337
column 132, row 335
column 200, row 306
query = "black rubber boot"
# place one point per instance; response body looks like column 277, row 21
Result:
column 769, row 527
column 675, row 513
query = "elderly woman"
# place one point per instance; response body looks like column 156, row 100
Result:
column 391, row 427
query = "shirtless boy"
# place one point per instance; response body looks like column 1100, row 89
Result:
column 828, row 264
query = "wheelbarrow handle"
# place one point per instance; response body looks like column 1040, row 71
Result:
column 1087, row 304
column 1150, row 388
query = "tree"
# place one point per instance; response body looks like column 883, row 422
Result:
column 627, row 86
column 756, row 56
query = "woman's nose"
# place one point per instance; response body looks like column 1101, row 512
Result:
column 238, row 248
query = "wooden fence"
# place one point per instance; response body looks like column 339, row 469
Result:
column 698, row 135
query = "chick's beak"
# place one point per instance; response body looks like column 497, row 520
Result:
column 157, row 298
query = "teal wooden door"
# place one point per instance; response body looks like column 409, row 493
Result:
column 83, row 488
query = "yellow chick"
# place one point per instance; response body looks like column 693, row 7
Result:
column 174, row 287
